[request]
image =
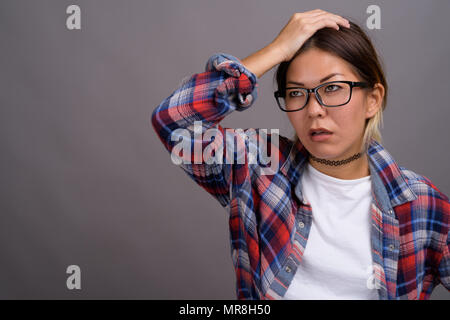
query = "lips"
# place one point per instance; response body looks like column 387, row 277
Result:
column 315, row 131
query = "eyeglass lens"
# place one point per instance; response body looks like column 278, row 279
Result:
column 332, row 94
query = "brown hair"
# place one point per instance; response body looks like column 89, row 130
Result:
column 355, row 47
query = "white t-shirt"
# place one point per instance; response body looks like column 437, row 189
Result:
column 337, row 260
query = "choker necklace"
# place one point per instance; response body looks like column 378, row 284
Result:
column 336, row 162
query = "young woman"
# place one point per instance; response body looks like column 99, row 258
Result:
column 338, row 218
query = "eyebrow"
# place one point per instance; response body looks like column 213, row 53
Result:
column 321, row 80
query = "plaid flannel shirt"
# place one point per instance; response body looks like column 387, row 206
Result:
column 269, row 219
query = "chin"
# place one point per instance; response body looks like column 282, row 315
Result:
column 323, row 151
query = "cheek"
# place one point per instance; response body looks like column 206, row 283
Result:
column 351, row 119
column 297, row 121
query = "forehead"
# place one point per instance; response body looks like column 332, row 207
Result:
column 314, row 64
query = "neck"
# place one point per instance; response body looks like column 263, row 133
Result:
column 355, row 169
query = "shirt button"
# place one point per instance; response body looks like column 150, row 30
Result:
column 301, row 224
column 288, row 269
column 391, row 247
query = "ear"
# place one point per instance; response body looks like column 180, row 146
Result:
column 374, row 100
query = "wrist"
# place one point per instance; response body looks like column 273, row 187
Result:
column 263, row 60
column 277, row 53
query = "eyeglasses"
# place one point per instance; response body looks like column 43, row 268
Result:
column 328, row 94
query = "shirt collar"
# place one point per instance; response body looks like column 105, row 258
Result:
column 383, row 169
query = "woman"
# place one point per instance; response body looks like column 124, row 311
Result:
column 338, row 218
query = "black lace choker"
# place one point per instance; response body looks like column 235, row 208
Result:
column 336, row 162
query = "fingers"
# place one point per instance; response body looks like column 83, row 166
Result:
column 327, row 22
column 338, row 20
column 303, row 25
column 314, row 13
column 327, row 19
column 319, row 12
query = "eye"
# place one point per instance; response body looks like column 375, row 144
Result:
column 332, row 88
column 296, row 93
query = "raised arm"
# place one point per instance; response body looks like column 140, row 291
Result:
column 200, row 103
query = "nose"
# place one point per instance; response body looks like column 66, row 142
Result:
column 314, row 107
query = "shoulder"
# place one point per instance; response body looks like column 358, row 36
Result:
column 422, row 185
column 431, row 205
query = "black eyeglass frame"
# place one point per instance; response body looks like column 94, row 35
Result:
column 352, row 84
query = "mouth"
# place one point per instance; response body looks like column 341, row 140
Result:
column 319, row 134
column 315, row 131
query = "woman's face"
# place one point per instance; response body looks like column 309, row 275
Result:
column 345, row 122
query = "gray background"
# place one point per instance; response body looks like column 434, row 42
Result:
column 86, row 181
